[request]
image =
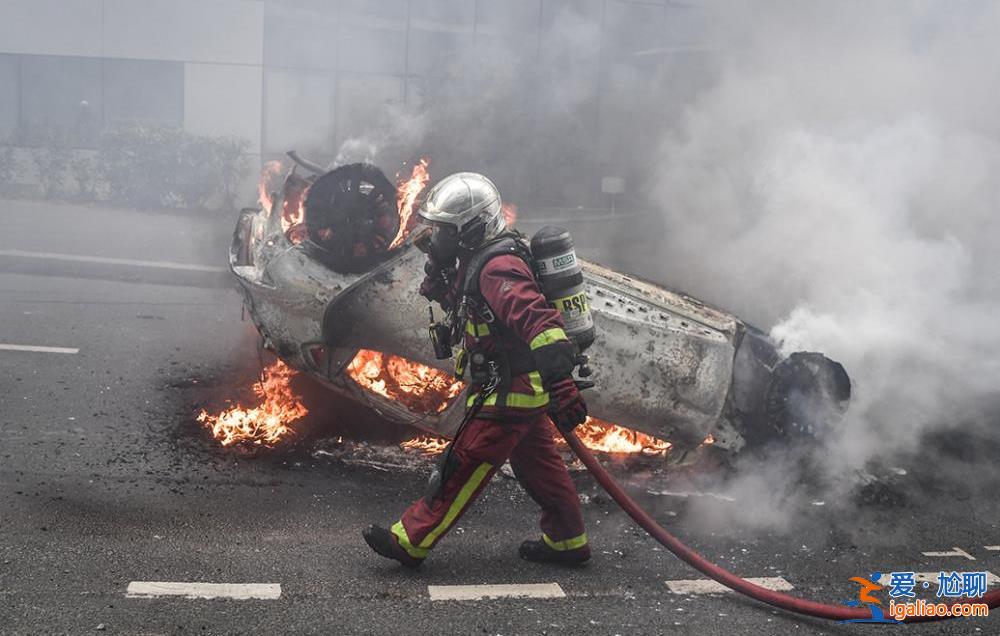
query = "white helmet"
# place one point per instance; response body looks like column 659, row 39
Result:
column 462, row 211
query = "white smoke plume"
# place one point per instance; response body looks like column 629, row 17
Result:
column 827, row 171
column 838, row 184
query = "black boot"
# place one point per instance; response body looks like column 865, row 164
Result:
column 540, row 552
column 386, row 544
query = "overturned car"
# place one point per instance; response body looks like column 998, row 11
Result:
column 331, row 283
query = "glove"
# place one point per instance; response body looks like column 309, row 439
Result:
column 555, row 361
column 436, row 285
column 566, row 406
column 433, row 288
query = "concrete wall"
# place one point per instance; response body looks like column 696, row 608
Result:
column 310, row 74
column 219, row 42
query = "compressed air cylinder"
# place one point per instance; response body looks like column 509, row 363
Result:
column 561, row 280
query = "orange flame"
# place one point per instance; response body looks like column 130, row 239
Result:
column 605, row 437
column 293, row 210
column 406, row 197
column 597, row 435
column 270, row 170
column 426, row 444
column 418, row 387
column 263, row 425
column 509, row 213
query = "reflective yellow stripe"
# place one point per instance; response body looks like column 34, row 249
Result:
column 566, row 544
column 458, row 505
column 478, row 330
column 519, row 400
column 547, row 337
column 536, row 383
column 404, row 541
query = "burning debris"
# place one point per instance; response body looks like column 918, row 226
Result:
column 426, row 444
column 605, row 437
column 406, row 197
column 268, row 173
column 597, row 435
column 420, row 388
column 266, row 424
column 337, row 274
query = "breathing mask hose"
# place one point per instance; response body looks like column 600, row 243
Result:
column 727, row 578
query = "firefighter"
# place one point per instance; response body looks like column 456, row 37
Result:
column 519, row 364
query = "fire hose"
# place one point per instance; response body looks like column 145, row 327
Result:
column 723, row 576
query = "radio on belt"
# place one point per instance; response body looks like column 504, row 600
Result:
column 561, row 280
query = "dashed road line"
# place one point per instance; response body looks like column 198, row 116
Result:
column 38, row 349
column 480, row 592
column 992, row 548
column 709, row 586
column 235, row 591
column 106, row 260
column 932, row 577
column 954, row 552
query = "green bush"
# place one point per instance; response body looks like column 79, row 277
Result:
column 138, row 165
column 51, row 158
column 84, row 172
column 147, row 165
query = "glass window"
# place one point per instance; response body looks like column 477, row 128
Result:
column 140, row 90
column 61, row 95
column 10, row 96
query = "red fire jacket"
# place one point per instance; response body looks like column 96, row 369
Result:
column 508, row 286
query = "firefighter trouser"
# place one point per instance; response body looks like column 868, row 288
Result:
column 480, row 450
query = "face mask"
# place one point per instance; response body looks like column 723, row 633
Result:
column 440, row 242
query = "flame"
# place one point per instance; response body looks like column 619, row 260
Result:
column 418, row 387
column 406, row 197
column 263, row 425
column 293, row 211
column 509, row 213
column 426, row 444
column 605, row 437
column 597, row 435
column 293, row 214
column 270, row 170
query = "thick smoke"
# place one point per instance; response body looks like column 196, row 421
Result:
column 827, row 171
column 838, row 185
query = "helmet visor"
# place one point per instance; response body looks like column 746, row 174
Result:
column 437, row 240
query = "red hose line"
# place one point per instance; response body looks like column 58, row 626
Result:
column 727, row 578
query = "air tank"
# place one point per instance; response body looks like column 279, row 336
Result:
column 561, row 280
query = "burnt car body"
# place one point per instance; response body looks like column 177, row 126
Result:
column 663, row 363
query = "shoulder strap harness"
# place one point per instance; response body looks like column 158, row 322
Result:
column 513, row 361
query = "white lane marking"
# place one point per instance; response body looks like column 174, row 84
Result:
column 237, row 591
column 480, row 592
column 954, row 552
column 708, row 586
column 38, row 349
column 80, row 258
column 992, row 548
column 932, row 577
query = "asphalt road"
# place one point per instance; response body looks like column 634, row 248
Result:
column 106, row 480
